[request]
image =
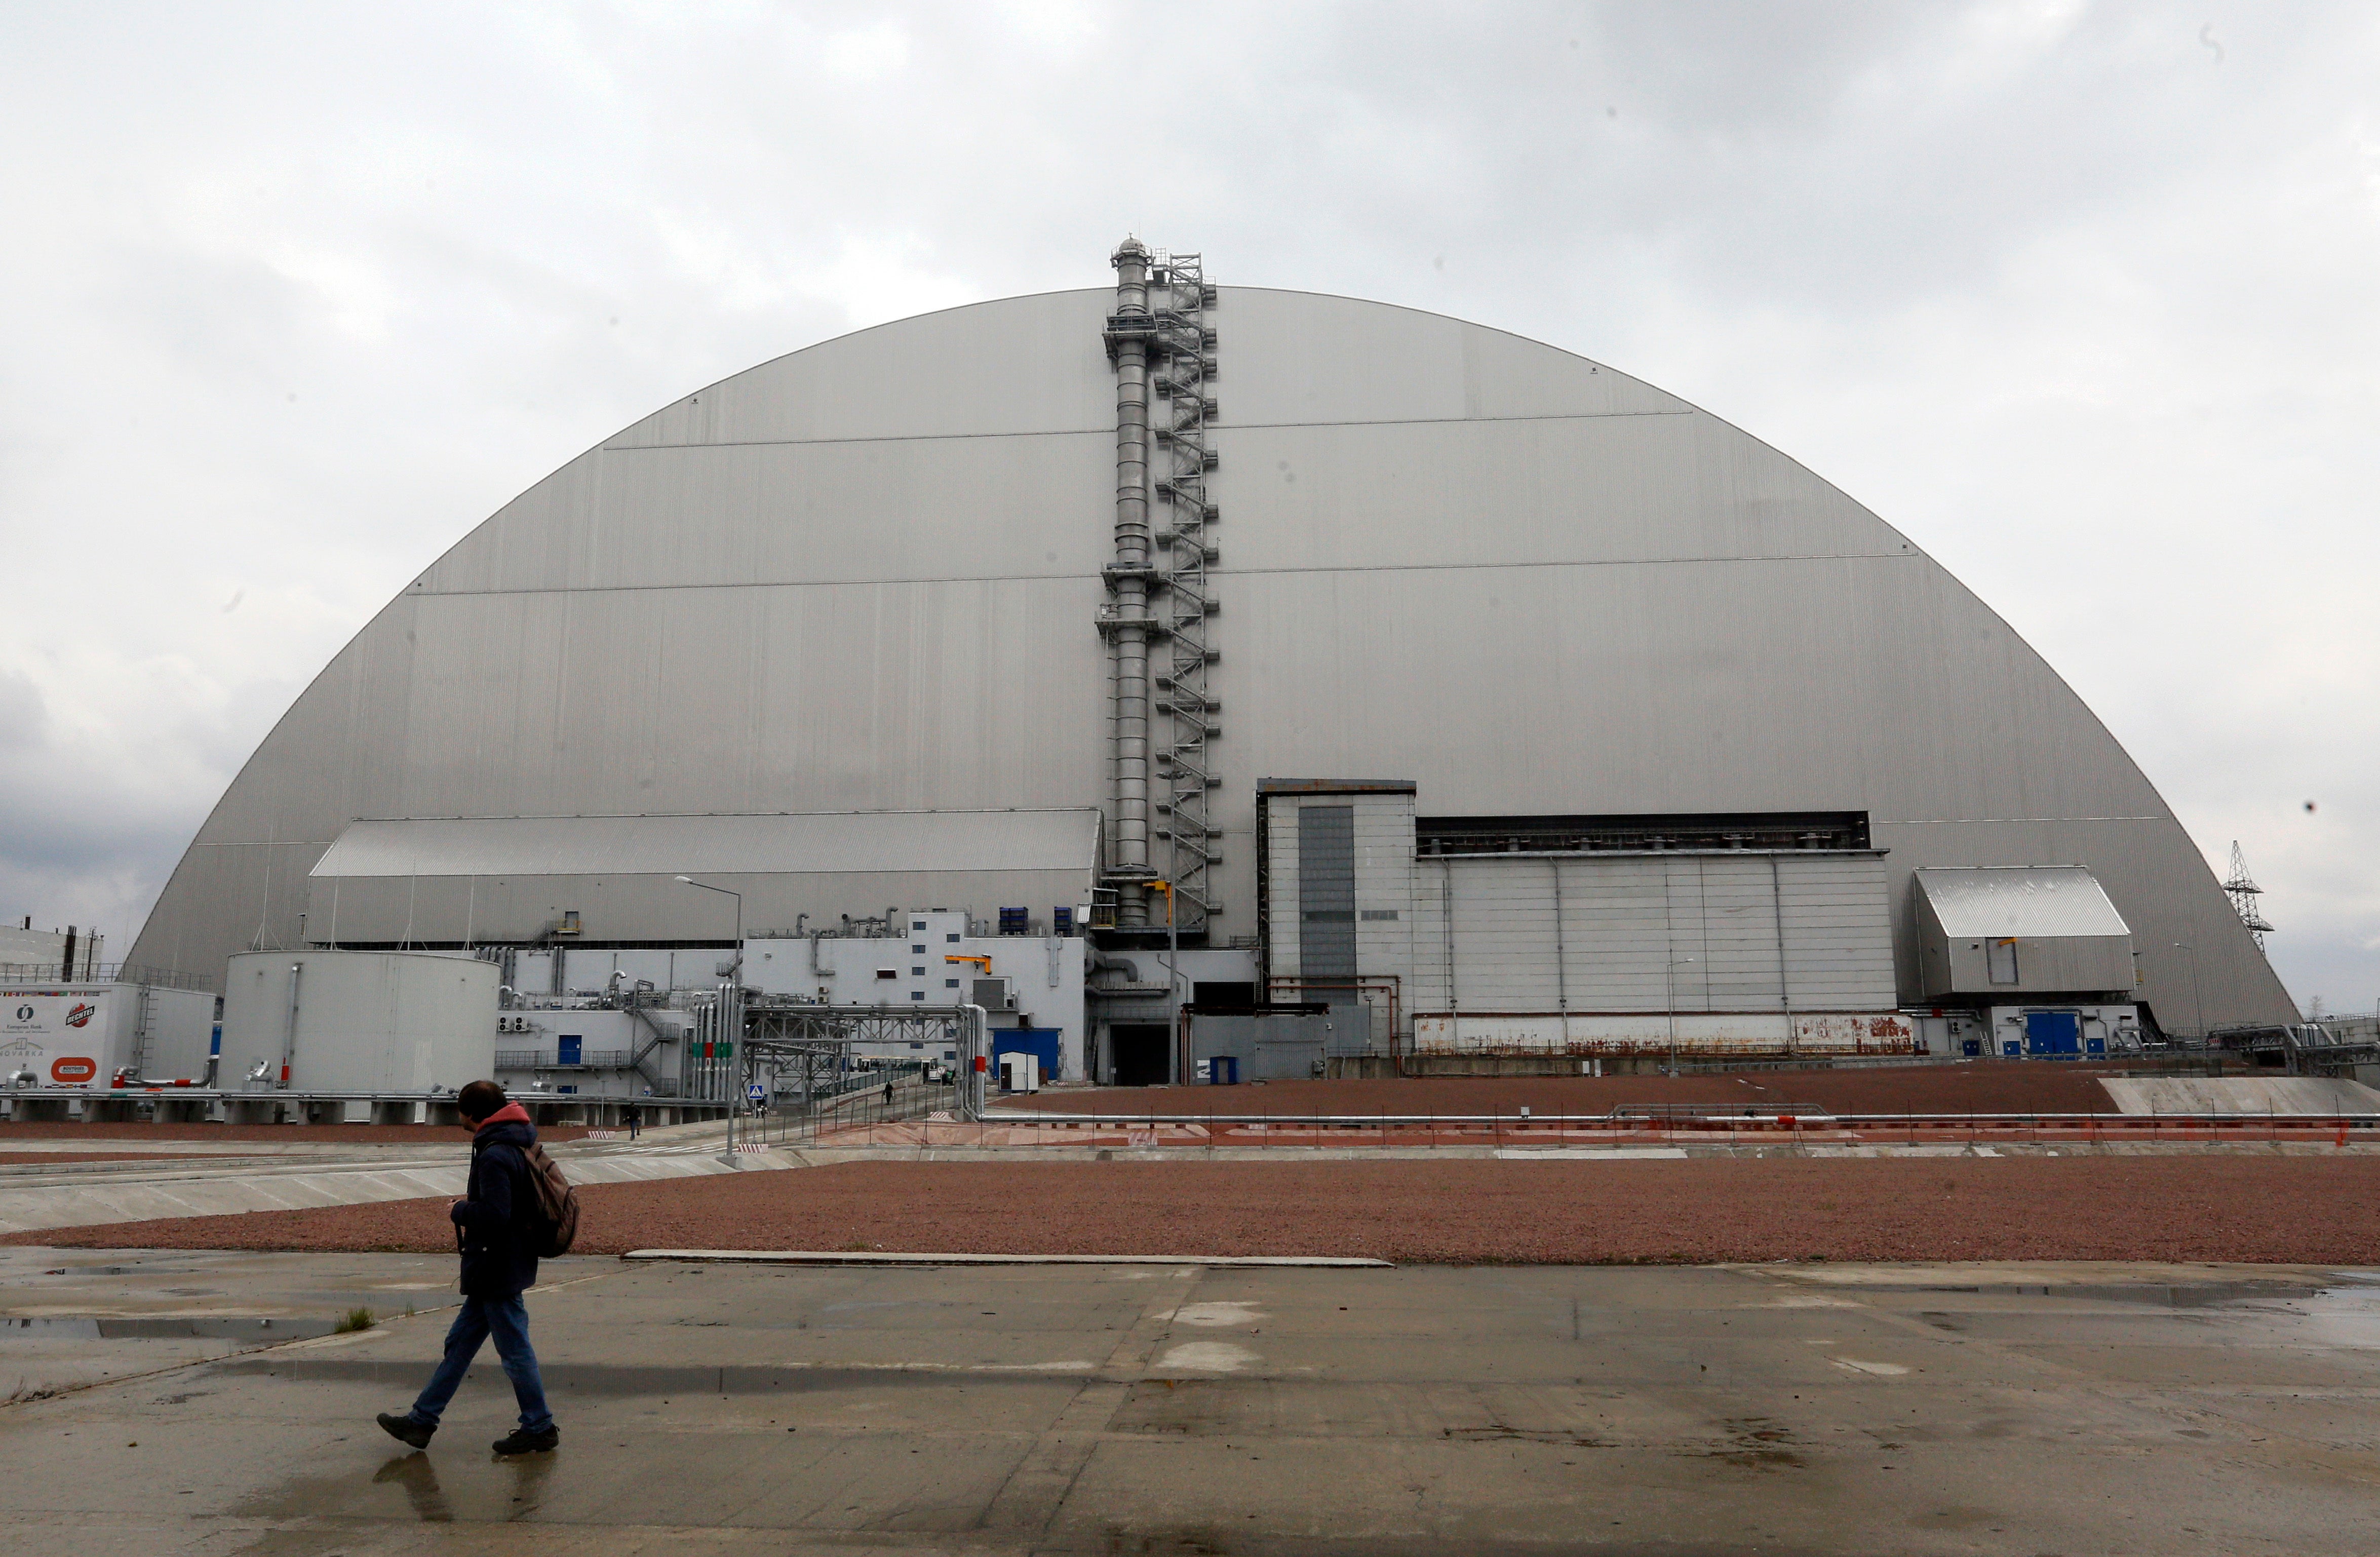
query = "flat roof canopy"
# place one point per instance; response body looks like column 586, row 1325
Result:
column 2032, row 902
column 874, row 842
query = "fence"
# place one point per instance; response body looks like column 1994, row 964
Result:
column 99, row 973
column 542, row 1059
column 841, row 1103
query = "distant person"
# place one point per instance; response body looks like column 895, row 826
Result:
column 888, row 1091
column 633, row 1117
column 497, row 1231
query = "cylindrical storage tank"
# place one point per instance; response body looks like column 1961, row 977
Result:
column 360, row 1021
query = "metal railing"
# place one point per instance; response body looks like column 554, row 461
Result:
column 542, row 1059
column 849, row 1106
column 99, row 973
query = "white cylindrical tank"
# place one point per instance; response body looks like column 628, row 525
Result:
column 360, row 1021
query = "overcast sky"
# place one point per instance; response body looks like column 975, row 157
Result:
column 2083, row 299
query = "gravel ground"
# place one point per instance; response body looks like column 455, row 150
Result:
column 343, row 1134
column 1977, row 1087
column 2302, row 1209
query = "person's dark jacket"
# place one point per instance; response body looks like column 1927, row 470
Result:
column 498, row 1213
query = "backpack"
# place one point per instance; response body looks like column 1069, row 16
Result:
column 557, row 1204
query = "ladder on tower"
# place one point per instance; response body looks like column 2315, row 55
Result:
column 1179, row 298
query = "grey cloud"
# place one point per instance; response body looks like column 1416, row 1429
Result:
column 2082, row 310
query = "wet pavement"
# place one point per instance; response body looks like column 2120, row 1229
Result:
column 1805, row 1408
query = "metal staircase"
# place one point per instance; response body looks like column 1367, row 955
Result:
column 1179, row 298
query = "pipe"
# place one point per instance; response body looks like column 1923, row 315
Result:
column 289, row 1043
column 1109, row 962
column 126, row 1080
column 1131, row 586
column 1784, row 971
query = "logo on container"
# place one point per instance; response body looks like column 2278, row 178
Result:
column 82, row 1015
column 24, row 1013
column 73, row 1069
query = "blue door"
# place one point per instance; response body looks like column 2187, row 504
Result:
column 2053, row 1033
column 566, row 1047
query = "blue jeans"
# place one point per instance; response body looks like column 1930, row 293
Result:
column 507, row 1320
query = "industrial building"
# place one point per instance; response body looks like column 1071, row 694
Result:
column 1222, row 681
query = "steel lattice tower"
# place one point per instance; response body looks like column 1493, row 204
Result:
column 2244, row 893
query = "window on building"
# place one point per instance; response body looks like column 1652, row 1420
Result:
column 916, row 973
column 950, row 983
column 2000, row 960
column 917, row 951
column 917, row 994
column 953, row 939
column 916, row 924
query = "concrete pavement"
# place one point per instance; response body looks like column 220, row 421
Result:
column 1183, row 1409
column 35, row 1196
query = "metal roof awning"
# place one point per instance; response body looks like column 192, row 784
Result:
column 2032, row 902
column 740, row 845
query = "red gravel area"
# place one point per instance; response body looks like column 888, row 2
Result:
column 1979, row 1087
column 342, row 1135
column 2304, row 1209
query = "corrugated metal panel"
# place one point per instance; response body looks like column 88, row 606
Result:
column 1525, row 581
column 871, row 842
column 2037, row 901
column 1326, row 890
column 1699, row 933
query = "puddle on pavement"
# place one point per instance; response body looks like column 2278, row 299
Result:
column 2344, row 1315
column 2195, row 1295
column 214, row 1327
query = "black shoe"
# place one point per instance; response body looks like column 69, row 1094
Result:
column 405, row 1430
column 520, row 1441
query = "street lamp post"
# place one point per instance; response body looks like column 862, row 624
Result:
column 734, row 1091
column 2197, row 996
column 1671, row 972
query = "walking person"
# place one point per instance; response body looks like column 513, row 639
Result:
column 498, row 1231
column 633, row 1117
